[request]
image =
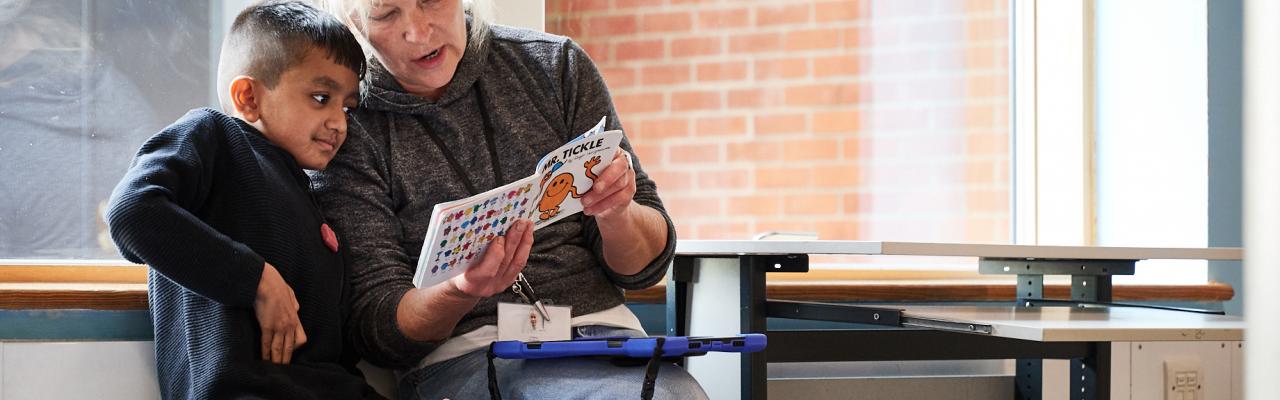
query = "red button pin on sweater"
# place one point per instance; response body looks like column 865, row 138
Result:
column 330, row 239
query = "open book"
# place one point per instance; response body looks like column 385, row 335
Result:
column 461, row 230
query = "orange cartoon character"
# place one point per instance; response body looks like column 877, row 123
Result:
column 560, row 188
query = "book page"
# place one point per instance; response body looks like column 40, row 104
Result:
column 461, row 230
column 568, row 173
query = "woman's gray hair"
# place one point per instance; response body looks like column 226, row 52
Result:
column 355, row 13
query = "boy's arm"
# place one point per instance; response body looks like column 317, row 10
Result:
column 149, row 220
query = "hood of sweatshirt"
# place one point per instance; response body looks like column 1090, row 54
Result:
column 382, row 92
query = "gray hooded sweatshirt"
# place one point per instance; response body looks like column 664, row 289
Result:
column 529, row 92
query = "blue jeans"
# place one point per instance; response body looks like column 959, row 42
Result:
column 465, row 377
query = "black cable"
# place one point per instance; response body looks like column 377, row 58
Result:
column 651, row 371
column 494, row 393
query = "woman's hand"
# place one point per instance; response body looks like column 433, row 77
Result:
column 277, row 311
column 499, row 265
column 611, row 193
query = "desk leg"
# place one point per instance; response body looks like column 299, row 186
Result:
column 717, row 312
column 678, row 296
column 1091, row 376
column 752, row 299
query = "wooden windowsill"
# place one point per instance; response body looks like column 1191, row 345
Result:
column 133, row 296
column 120, row 286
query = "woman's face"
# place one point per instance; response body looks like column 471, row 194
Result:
column 419, row 41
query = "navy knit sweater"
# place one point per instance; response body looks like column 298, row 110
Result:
column 204, row 204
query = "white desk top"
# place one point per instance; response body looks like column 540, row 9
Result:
column 1069, row 324
column 736, row 247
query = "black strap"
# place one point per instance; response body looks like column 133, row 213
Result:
column 494, row 393
column 651, row 371
column 489, row 140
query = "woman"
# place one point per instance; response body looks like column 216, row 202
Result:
column 455, row 106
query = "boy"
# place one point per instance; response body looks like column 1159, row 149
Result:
column 247, row 284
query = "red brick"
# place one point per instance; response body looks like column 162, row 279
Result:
column 696, row 153
column 598, row 51
column 790, row 14
column 851, row 203
column 639, row 103
column 810, row 150
column 782, row 68
column 696, row 46
column 843, row 229
column 845, row 11
column 987, row 86
column 782, row 177
column 847, row 65
column 624, row 4
column 660, row 128
column 987, row 145
column 671, row 180
column 784, row 224
column 571, row 6
column 830, row 94
column 641, row 50
column 811, row 204
column 715, row 20
column 664, row 74
column 837, row 121
column 754, row 205
column 720, row 126
column 754, row 98
column 666, row 22
column 837, row 176
column 722, row 231
column 812, row 39
column 780, row 123
column 852, row 147
column 722, row 71
column 682, row 207
column 986, row 200
column 736, row 178
column 568, row 26
column 618, row 77
column 755, row 42
column 696, row 100
column 987, row 29
column 611, row 25
column 753, row 151
column 851, row 38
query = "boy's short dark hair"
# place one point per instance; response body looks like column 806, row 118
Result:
column 270, row 37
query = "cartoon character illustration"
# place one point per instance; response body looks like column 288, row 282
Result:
column 560, row 188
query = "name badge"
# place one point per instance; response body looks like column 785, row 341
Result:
column 523, row 322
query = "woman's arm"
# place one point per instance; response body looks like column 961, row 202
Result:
column 629, row 228
column 392, row 323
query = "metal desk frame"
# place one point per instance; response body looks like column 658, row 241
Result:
column 1090, row 268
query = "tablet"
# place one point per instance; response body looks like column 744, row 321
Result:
column 672, row 346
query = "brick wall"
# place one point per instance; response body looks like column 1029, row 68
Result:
column 870, row 119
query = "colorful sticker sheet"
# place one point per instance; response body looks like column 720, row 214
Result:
column 463, row 231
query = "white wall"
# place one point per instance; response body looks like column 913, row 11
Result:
column 77, row 370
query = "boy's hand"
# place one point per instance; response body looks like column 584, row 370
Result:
column 277, row 312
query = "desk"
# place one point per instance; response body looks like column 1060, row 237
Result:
column 717, row 288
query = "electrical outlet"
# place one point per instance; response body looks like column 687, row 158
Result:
column 1183, row 379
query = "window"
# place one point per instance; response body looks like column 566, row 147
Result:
column 1111, row 110
column 82, row 84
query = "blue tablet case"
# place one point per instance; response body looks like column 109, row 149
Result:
column 672, row 346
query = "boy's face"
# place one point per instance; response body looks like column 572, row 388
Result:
column 305, row 114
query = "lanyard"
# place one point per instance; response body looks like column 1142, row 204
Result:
column 526, row 293
column 489, row 141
